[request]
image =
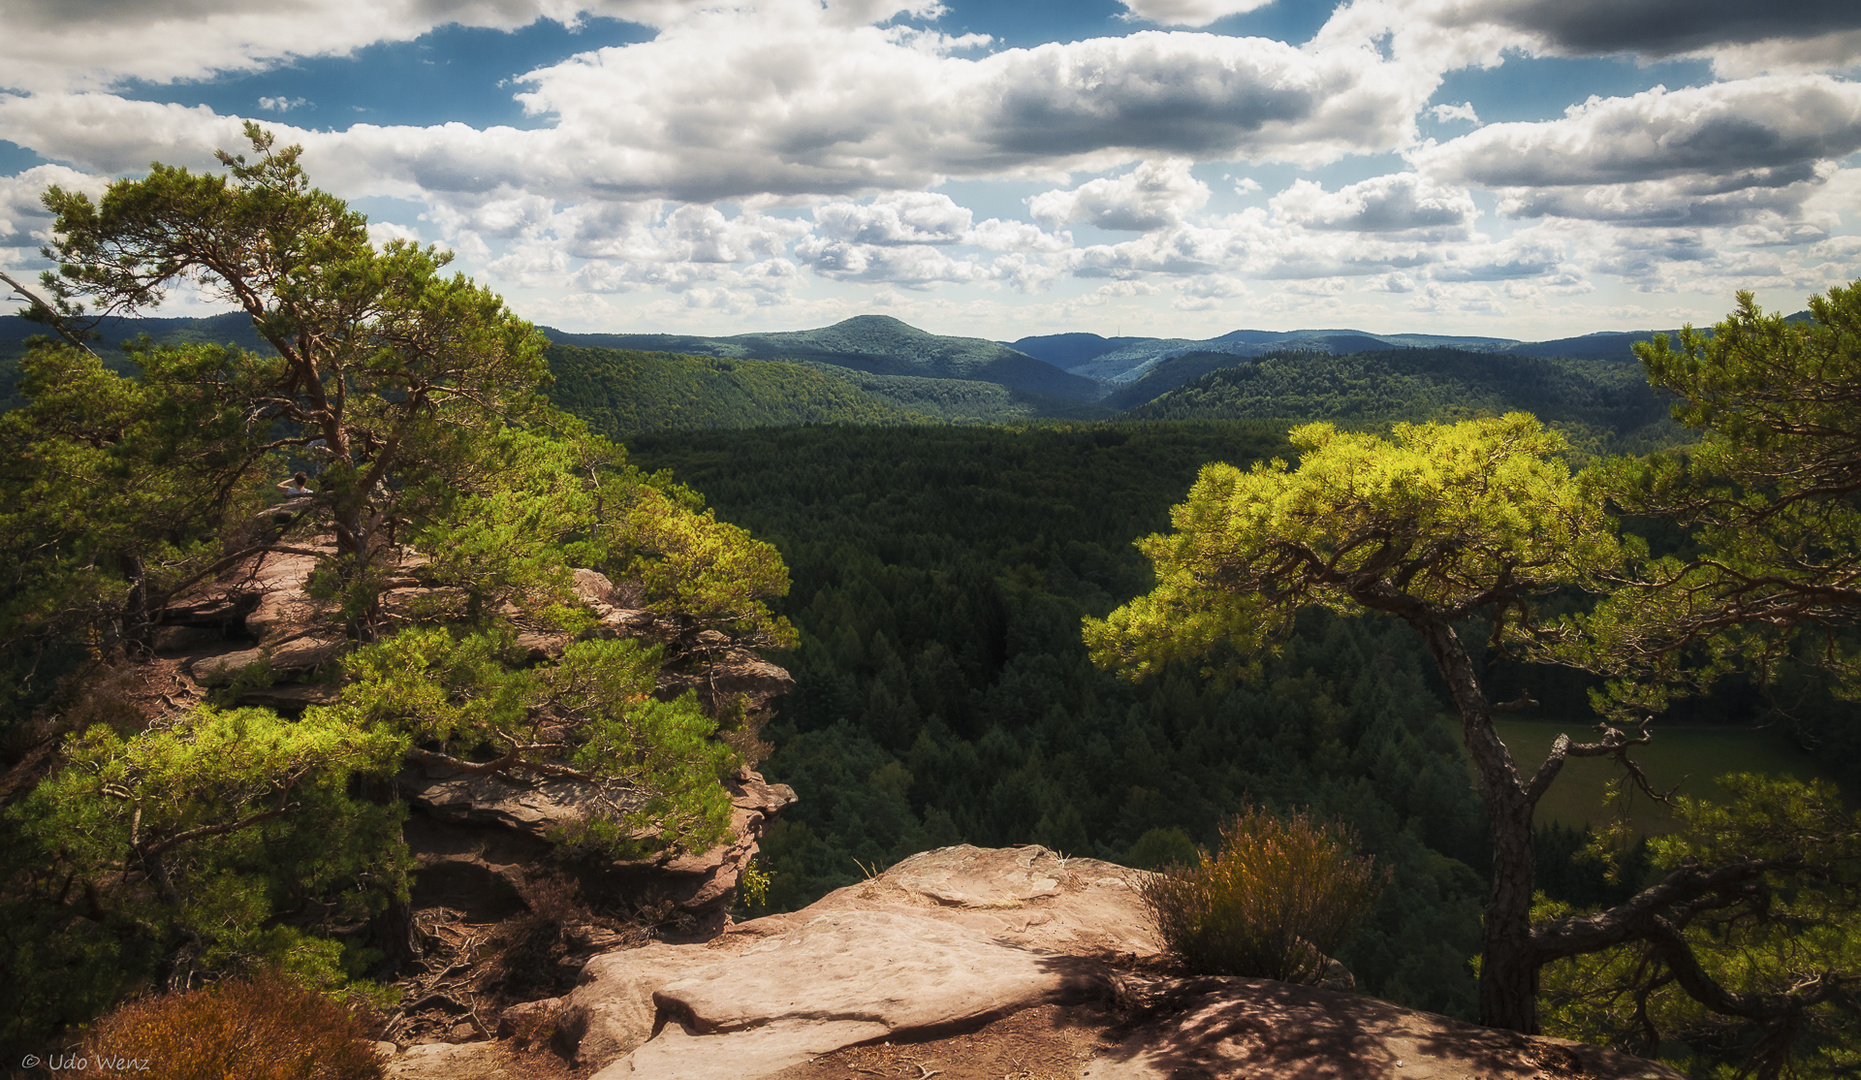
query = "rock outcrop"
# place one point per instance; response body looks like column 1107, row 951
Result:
column 255, row 631
column 934, row 950
column 477, row 838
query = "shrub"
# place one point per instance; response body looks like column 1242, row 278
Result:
column 1278, row 899
column 259, row 1028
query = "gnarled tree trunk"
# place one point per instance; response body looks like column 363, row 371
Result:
column 1509, row 963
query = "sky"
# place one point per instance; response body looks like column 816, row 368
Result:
column 1509, row 168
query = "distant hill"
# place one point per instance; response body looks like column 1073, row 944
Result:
column 877, row 344
column 1599, row 401
column 1126, row 360
column 232, row 328
column 623, row 392
column 1068, row 351
column 1167, row 375
column 1607, row 345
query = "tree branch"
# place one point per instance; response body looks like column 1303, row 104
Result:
column 45, row 313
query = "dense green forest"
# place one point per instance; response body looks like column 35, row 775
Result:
column 623, row 392
column 1599, row 402
column 944, row 695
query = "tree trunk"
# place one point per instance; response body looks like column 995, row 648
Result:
column 393, row 931
column 1508, row 962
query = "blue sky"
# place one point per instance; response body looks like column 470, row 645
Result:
column 1513, row 168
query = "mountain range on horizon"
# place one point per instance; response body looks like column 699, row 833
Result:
column 883, row 345
column 875, row 368
column 892, row 346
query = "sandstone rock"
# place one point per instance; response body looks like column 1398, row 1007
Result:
column 540, row 645
column 699, row 884
column 472, row 870
column 515, row 1018
column 1025, row 896
column 676, row 1055
column 1255, row 1027
column 952, row 937
column 221, row 668
column 616, row 607
column 593, row 587
column 170, row 640
column 728, row 674
column 617, row 990
column 278, row 579
column 530, row 807
column 289, row 698
column 291, row 657
column 905, row 972
column 868, row 975
column 945, row 940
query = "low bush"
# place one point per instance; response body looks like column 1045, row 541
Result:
column 259, row 1028
column 1278, row 899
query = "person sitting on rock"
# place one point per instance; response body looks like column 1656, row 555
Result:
column 298, row 485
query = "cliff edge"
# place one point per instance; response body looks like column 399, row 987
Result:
column 969, row 963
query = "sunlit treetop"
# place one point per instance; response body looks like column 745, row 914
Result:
column 1435, row 521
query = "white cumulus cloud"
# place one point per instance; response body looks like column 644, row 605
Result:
column 1704, row 155
column 1152, row 196
column 1401, row 203
column 1188, row 12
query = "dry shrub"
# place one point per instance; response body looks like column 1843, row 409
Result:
column 1275, row 903
column 539, row 953
column 264, row 1027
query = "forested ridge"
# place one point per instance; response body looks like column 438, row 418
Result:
column 622, row 392
column 1601, row 402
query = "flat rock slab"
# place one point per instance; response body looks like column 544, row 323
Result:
column 905, row 972
column 1257, row 1027
column 1026, row 896
column 843, row 978
column 973, row 877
